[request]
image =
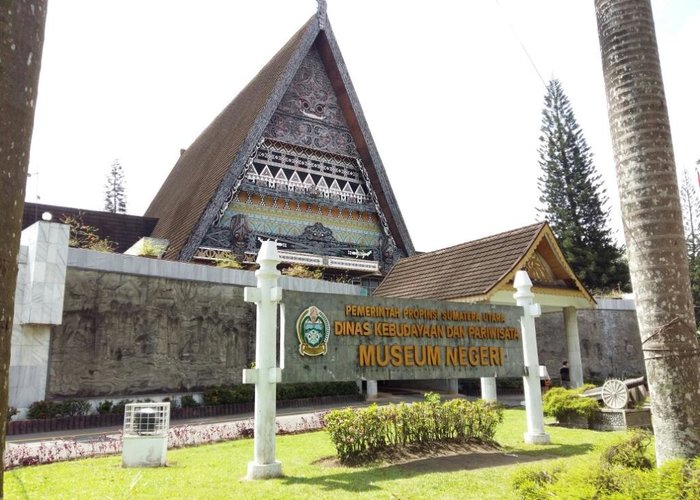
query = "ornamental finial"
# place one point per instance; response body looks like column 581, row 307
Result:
column 321, row 13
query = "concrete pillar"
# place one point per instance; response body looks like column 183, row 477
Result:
column 531, row 381
column 453, row 386
column 488, row 389
column 573, row 347
column 266, row 374
column 372, row 392
column 39, row 294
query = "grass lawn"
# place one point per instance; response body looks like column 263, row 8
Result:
column 217, row 471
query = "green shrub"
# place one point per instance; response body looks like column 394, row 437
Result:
column 531, row 482
column 563, row 403
column 245, row 393
column 630, row 452
column 104, row 407
column 44, row 409
column 188, row 401
column 624, row 471
column 73, row 407
column 118, row 408
column 359, row 434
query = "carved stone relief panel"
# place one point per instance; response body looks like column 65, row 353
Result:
column 124, row 334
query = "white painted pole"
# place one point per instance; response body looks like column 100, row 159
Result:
column 573, row 347
column 266, row 374
column 531, row 380
column 488, row 389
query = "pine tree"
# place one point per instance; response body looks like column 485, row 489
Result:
column 115, row 195
column 573, row 197
column 690, row 204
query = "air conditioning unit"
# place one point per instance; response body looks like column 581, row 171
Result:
column 145, row 435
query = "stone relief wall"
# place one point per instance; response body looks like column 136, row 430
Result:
column 127, row 334
column 610, row 344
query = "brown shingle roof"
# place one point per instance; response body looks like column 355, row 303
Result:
column 122, row 229
column 203, row 177
column 465, row 270
column 195, row 178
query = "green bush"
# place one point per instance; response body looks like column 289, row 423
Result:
column 104, row 407
column 563, row 403
column 118, row 408
column 359, row 434
column 188, row 401
column 245, row 393
column 44, row 409
column 624, row 471
column 630, row 452
column 73, row 407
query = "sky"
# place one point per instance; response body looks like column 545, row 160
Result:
column 451, row 91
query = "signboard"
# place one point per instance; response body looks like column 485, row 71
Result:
column 345, row 337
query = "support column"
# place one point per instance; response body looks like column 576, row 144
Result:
column 372, row 392
column 573, row 347
column 453, row 386
column 266, row 374
column 488, row 389
column 531, row 381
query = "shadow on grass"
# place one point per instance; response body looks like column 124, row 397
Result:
column 366, row 479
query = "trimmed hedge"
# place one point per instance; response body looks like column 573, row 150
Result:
column 563, row 404
column 359, row 434
column 245, row 393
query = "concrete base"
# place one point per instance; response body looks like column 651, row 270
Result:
column 536, row 438
column 264, row 471
column 452, row 386
column 140, row 451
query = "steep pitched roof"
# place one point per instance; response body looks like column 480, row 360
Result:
column 477, row 269
column 207, row 171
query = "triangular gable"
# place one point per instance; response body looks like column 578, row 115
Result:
column 208, row 172
column 547, row 267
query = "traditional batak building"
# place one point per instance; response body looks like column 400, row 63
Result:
column 291, row 158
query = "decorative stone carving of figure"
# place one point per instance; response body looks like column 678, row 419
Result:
column 240, row 232
column 388, row 252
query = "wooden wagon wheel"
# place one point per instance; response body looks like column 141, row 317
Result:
column 614, row 394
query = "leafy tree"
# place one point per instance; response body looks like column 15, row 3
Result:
column 573, row 197
column 651, row 210
column 21, row 43
column 115, row 195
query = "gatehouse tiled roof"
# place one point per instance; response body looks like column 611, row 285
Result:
column 475, row 269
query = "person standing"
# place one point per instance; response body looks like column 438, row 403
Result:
column 564, row 375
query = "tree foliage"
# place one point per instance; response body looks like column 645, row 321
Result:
column 572, row 197
column 115, row 194
column 690, row 203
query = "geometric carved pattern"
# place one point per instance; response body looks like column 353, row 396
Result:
column 309, row 114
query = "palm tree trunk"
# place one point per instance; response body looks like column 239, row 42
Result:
column 652, row 217
column 21, row 42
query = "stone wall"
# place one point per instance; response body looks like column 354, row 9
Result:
column 126, row 334
column 609, row 336
column 133, row 325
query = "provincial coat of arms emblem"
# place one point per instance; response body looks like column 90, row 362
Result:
column 313, row 330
